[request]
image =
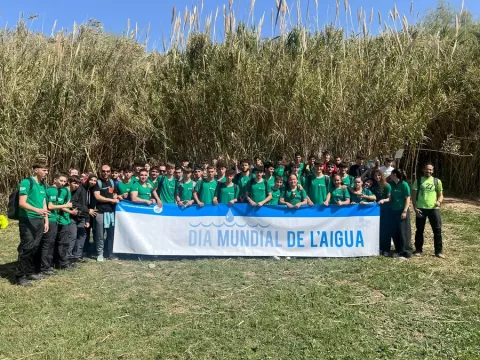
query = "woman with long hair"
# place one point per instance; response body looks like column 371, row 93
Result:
column 399, row 200
column 295, row 196
column 382, row 191
column 339, row 194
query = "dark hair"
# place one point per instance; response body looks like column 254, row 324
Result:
column 383, row 181
column 221, row 164
column 298, row 154
column 318, row 163
column 128, row 169
column 268, row 165
column 170, row 166
column 330, row 164
column 326, row 152
column 243, row 161
column 428, row 163
column 258, row 169
column 210, row 167
column 339, row 156
column 231, row 172
column 360, row 156
column 74, row 179
column 389, row 159
column 311, row 157
column 57, row 176
column 400, row 174
column 143, row 170
column 187, row 170
column 278, row 177
column 256, row 158
column 343, row 166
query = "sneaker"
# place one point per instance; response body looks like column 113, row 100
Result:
column 402, row 258
column 49, row 272
column 395, row 255
column 417, row 253
column 24, row 282
column 100, row 258
column 67, row 268
column 288, row 258
column 35, row 277
column 276, row 257
column 440, row 256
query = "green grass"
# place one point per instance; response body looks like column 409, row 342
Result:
column 375, row 308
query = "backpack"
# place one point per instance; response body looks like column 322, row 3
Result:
column 100, row 184
column 13, row 202
column 419, row 184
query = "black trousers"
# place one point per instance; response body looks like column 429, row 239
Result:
column 47, row 245
column 402, row 233
column 61, row 245
column 433, row 216
column 385, row 227
column 31, row 232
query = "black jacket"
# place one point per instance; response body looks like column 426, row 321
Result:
column 81, row 199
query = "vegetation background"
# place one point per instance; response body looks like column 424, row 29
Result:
column 88, row 97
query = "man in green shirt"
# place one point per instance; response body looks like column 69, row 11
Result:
column 205, row 189
column 317, row 186
column 166, row 186
column 33, row 223
column 242, row 179
column 221, row 171
column 66, row 218
column 269, row 174
column 258, row 193
column 277, row 191
column 227, row 192
column 154, row 176
column 347, row 180
column 125, row 186
column 184, row 190
column 427, row 197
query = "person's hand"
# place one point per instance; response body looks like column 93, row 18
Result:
column 215, row 201
column 298, row 206
column 74, row 212
column 325, row 203
column 189, row 203
column 418, row 212
column 252, row 203
column 68, row 205
column 353, row 203
column 87, row 225
column 310, row 202
column 438, row 203
column 150, row 202
column 261, row 203
column 404, row 215
column 381, row 202
column 290, row 206
column 160, row 204
column 114, row 201
column 201, row 204
column 46, row 227
column 231, row 202
column 42, row 212
column 92, row 212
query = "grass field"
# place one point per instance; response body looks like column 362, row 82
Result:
column 375, row 308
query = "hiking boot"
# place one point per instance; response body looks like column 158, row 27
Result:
column 23, row 282
column 440, row 256
column 35, row 277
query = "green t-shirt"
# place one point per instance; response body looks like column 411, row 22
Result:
column 184, row 190
column 427, row 196
column 36, row 196
column 125, row 188
column 340, row 194
column 295, row 196
column 206, row 191
column 276, row 195
column 144, row 192
column 52, row 195
column 167, row 191
column 154, row 183
column 242, row 182
column 258, row 191
column 317, row 188
column 380, row 193
column 270, row 182
column 64, row 196
column 225, row 193
column 279, row 171
column 348, row 181
column 354, row 198
column 399, row 192
column 222, row 180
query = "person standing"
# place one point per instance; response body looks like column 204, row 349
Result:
column 317, row 186
column 106, row 199
column 205, row 189
column 184, row 189
column 339, row 194
column 167, row 185
column 227, row 192
column 387, row 167
column 382, row 191
column 142, row 191
column 33, row 223
column 258, row 192
column 427, row 197
column 242, row 179
column 359, row 167
column 294, row 196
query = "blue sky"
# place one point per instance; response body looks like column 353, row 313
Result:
column 115, row 14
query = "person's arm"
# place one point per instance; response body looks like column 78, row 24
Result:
column 250, row 201
column 104, row 199
column 197, row 200
column 136, row 199
column 371, row 197
column 51, row 206
column 157, row 198
column 387, row 200
column 267, row 199
column 439, row 194
column 77, row 201
column 283, row 202
column 22, row 202
column 405, row 208
column 327, row 200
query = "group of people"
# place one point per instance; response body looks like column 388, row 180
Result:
column 56, row 220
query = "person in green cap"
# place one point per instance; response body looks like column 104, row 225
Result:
column 427, row 197
column 205, row 189
column 227, row 192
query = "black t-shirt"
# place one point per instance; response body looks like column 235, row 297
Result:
column 357, row 170
column 107, row 189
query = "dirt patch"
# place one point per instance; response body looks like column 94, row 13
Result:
column 461, row 205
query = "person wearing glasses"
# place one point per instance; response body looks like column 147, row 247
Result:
column 106, row 198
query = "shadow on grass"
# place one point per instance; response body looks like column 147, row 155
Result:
column 7, row 271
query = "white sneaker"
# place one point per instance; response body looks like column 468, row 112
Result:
column 288, row 258
column 277, row 257
column 396, row 255
column 100, row 258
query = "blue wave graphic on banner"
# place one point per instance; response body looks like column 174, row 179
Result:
column 229, row 222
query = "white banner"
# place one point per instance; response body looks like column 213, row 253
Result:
column 241, row 230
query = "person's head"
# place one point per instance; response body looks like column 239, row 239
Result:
column 137, row 166
column 205, row 164
column 83, row 176
column 187, row 173
column 398, row 175
column 127, row 173
column 295, row 168
column 210, row 172
column 198, row 172
column 278, row 181
column 147, row 167
column 428, row 169
column 359, row 159
column 221, row 168
column 143, row 176
column 269, row 169
column 388, row 162
column 278, row 159
column 105, row 172
column 185, row 163
column 244, row 165
column 342, row 169
column 92, row 180
column 230, row 175
column 368, row 183
column 154, row 172
column 330, row 168
column 298, row 158
column 326, row 156
column 115, row 174
column 318, row 167
column 73, row 182
column 257, row 161
column 178, row 173
column 60, row 180
column 293, row 180
column 358, row 183
column 170, row 169
column 379, row 178
column 338, row 160
column 40, row 170
column 258, row 173
column 73, row 172
column 337, row 180
column 162, row 169
column 311, row 160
